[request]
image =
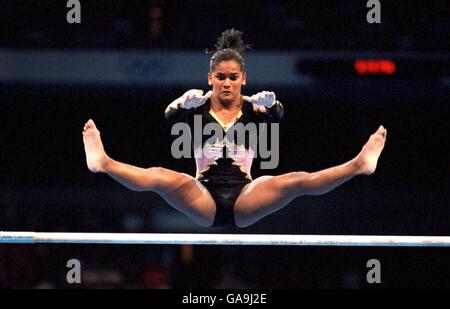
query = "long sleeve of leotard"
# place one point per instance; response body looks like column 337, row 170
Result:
column 275, row 113
column 175, row 113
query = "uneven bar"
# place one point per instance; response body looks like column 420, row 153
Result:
column 224, row 239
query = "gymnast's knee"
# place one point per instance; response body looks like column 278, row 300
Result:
column 242, row 222
column 244, row 217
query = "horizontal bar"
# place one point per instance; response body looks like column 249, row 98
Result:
column 224, row 239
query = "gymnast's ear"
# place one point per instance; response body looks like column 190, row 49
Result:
column 210, row 78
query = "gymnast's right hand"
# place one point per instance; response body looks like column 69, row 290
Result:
column 192, row 99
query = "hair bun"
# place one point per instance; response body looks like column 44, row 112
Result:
column 232, row 39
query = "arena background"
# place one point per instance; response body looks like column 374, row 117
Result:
column 128, row 59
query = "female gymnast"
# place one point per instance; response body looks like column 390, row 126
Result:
column 223, row 192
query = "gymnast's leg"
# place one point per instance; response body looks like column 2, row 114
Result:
column 181, row 191
column 267, row 194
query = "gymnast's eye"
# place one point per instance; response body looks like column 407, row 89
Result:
column 221, row 76
column 234, row 77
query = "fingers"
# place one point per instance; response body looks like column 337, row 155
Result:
column 193, row 95
column 196, row 94
column 270, row 95
column 255, row 99
column 194, row 98
column 193, row 92
column 247, row 99
column 259, row 109
column 265, row 98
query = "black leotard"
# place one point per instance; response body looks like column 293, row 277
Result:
column 223, row 166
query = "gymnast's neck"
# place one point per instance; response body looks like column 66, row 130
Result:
column 228, row 107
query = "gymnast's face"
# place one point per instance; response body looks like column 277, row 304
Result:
column 226, row 81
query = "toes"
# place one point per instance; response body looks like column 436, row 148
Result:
column 381, row 131
column 89, row 124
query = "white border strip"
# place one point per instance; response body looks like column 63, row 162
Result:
column 224, row 239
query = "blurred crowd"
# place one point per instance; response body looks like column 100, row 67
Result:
column 284, row 25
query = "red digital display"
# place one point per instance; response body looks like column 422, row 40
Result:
column 375, row 67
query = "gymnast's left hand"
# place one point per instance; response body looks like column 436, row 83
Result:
column 263, row 98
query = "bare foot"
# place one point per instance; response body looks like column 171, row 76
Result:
column 95, row 154
column 367, row 159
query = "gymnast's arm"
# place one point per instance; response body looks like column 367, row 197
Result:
column 175, row 113
column 266, row 105
column 184, row 105
column 274, row 113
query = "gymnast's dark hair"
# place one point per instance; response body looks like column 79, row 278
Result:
column 229, row 46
